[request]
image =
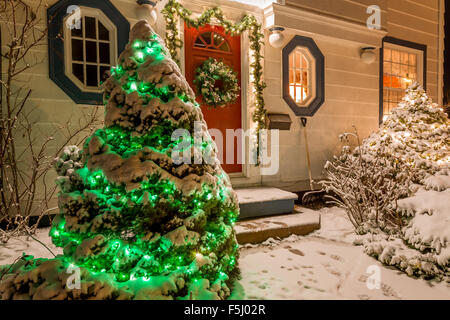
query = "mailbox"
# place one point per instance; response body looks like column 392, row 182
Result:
column 279, row 121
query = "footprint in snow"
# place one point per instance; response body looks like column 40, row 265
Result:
column 297, row 252
column 387, row 290
column 336, row 257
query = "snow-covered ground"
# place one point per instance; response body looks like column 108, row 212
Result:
column 322, row 265
column 326, row 265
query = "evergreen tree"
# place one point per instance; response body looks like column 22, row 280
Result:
column 416, row 134
column 135, row 220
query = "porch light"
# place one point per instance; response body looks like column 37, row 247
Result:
column 276, row 38
column 147, row 11
column 368, row 55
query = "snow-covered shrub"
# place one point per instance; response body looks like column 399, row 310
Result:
column 422, row 247
column 416, row 133
column 429, row 228
column 411, row 145
column 365, row 183
column 393, row 251
column 400, row 176
column 65, row 166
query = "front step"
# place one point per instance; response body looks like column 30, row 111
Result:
column 302, row 222
column 264, row 201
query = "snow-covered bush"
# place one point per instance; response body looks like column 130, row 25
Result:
column 365, row 183
column 65, row 166
column 410, row 146
column 416, row 133
column 422, row 247
column 395, row 187
column 428, row 229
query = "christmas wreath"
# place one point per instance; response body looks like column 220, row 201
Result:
column 217, row 83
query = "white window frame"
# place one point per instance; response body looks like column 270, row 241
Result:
column 98, row 14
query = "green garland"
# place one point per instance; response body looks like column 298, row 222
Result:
column 206, row 76
column 248, row 22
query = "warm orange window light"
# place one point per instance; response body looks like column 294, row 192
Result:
column 400, row 70
column 299, row 76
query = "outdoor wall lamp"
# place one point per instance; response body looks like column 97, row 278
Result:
column 368, row 55
column 147, row 11
column 276, row 38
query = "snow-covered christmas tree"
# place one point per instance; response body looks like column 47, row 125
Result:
column 135, row 222
column 416, row 133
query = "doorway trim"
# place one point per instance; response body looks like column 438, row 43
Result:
column 246, row 95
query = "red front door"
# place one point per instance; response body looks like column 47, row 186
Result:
column 201, row 44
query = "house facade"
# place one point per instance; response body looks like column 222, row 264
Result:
column 338, row 63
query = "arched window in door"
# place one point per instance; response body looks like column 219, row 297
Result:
column 213, row 41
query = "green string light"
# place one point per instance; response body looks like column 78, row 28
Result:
column 133, row 245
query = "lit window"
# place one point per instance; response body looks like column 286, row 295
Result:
column 300, row 76
column 403, row 64
column 91, row 50
column 212, row 41
column 303, row 76
column 400, row 71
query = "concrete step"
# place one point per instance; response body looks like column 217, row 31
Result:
column 264, row 201
column 302, row 222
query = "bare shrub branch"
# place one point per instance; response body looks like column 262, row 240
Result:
column 27, row 153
